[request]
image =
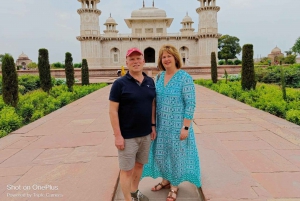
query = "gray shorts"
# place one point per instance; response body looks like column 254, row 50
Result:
column 136, row 150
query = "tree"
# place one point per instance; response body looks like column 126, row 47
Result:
column 32, row 65
column 44, row 70
column 229, row 47
column 69, row 69
column 214, row 69
column 10, row 85
column 289, row 52
column 1, row 56
column 290, row 59
column 296, row 47
column 57, row 65
column 85, row 73
column 248, row 73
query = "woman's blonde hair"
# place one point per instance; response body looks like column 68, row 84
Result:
column 171, row 50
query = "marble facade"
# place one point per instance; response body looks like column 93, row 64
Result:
column 148, row 32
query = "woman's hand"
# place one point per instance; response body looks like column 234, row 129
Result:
column 184, row 134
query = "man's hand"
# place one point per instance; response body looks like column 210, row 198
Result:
column 119, row 142
column 153, row 133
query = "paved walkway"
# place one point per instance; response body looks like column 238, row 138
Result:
column 245, row 154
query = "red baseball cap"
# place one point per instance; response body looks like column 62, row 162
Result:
column 131, row 50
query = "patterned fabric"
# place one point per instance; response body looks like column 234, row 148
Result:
column 169, row 157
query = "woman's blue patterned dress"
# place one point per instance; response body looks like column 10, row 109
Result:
column 169, row 157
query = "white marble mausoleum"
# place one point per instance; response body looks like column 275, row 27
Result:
column 148, row 33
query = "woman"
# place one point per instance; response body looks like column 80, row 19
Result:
column 173, row 154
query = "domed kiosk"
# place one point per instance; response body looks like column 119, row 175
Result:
column 23, row 61
column 275, row 55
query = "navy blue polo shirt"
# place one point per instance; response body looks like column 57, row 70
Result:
column 135, row 105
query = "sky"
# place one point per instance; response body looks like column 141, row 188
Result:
column 28, row 25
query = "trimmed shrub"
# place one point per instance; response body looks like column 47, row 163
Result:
column 221, row 62
column 30, row 82
column 44, row 70
column 69, row 69
column 230, row 62
column 85, row 79
column 237, row 62
column 78, row 65
column 248, row 73
column 10, row 89
column 293, row 116
column 9, row 120
column 214, row 70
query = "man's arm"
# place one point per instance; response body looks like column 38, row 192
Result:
column 114, row 120
column 153, row 134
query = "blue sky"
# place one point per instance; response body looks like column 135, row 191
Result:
column 28, row 25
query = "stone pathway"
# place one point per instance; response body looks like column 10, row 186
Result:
column 67, row 155
column 245, row 154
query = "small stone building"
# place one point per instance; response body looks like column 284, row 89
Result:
column 23, row 61
column 275, row 55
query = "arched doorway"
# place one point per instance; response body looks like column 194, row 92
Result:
column 184, row 53
column 149, row 54
column 23, row 65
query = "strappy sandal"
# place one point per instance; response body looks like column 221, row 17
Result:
column 168, row 185
column 171, row 193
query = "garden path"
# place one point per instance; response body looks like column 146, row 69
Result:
column 245, row 154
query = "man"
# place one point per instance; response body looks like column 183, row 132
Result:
column 132, row 116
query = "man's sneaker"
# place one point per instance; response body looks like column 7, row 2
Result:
column 138, row 196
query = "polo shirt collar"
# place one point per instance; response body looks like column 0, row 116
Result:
column 128, row 76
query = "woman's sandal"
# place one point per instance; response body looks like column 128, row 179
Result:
column 171, row 193
column 161, row 186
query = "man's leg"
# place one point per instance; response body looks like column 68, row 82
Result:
column 136, row 176
column 125, row 182
column 142, row 158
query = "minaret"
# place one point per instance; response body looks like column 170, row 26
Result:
column 90, row 32
column 207, row 30
column 187, row 28
column 111, row 27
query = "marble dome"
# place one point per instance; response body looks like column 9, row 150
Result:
column 23, row 56
column 110, row 20
column 187, row 19
column 276, row 50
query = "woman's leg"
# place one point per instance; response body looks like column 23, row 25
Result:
column 172, row 196
column 163, row 184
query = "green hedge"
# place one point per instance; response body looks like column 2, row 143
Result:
column 272, row 75
column 29, row 83
column 36, row 104
column 265, row 97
